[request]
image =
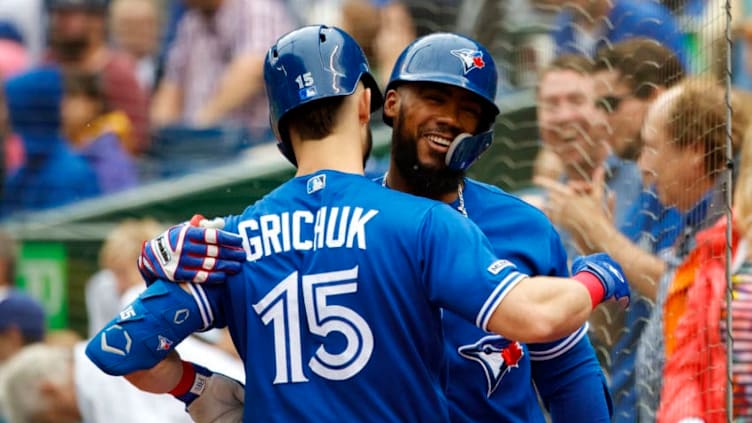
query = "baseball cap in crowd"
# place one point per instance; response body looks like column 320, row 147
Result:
column 24, row 312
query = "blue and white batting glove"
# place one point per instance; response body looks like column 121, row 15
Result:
column 608, row 272
column 194, row 251
column 210, row 397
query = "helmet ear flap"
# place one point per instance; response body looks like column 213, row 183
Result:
column 283, row 141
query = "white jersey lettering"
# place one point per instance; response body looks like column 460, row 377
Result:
column 298, row 218
column 357, row 227
column 302, row 230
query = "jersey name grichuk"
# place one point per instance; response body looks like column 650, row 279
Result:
column 333, row 227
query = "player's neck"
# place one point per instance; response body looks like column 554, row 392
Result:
column 394, row 179
column 334, row 152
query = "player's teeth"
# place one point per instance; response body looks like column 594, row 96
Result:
column 439, row 140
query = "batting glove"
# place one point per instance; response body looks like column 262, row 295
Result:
column 210, row 397
column 194, row 251
column 608, row 272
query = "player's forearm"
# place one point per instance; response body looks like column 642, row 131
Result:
column 643, row 269
column 241, row 80
column 161, row 378
column 542, row 309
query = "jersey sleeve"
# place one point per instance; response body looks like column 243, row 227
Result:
column 459, row 268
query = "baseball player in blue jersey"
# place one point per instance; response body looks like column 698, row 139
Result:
column 336, row 310
column 439, row 84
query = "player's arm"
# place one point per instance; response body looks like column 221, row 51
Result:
column 209, row 397
column 463, row 275
column 546, row 308
column 150, row 327
column 139, row 344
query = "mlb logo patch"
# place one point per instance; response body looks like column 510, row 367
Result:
column 316, row 183
column 498, row 266
column 307, row 93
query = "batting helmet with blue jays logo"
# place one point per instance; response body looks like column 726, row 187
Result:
column 309, row 64
column 456, row 60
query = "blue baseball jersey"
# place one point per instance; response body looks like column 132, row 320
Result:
column 490, row 378
column 337, row 312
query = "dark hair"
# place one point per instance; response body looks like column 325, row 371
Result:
column 313, row 120
column 643, row 63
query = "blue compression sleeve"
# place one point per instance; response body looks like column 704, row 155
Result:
column 150, row 327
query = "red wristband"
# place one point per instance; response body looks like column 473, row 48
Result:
column 186, row 381
column 593, row 285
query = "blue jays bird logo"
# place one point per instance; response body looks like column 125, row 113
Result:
column 496, row 355
column 471, row 59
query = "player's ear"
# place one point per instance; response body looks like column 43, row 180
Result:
column 391, row 103
column 364, row 106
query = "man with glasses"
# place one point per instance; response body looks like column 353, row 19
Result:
column 628, row 77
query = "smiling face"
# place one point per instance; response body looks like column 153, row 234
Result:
column 685, row 141
column 569, row 122
column 426, row 117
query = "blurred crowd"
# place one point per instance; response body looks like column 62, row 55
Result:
column 102, row 96
column 637, row 155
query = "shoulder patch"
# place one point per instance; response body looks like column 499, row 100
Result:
column 498, row 266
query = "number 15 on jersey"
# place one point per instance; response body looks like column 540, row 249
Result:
column 280, row 307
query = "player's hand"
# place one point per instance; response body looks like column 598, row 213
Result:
column 221, row 402
column 213, row 397
column 608, row 272
column 195, row 251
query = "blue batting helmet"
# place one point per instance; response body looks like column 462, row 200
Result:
column 309, row 64
column 450, row 59
column 459, row 61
